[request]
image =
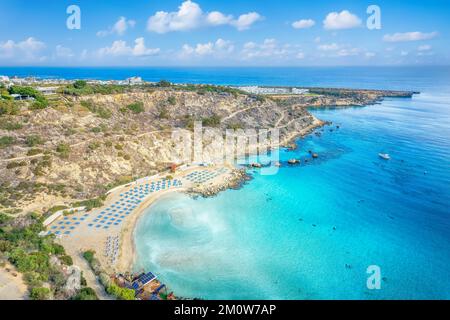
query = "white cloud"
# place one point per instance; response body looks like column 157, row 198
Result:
column 84, row 54
column 341, row 20
column 342, row 50
column 190, row 16
column 346, row 52
column 268, row 49
column 329, row 47
column 317, row 40
column 187, row 17
column 119, row 28
column 120, row 48
column 245, row 21
column 63, row 52
column 300, row 55
column 425, row 47
column 404, row 53
column 217, row 18
column 219, row 48
column 25, row 50
column 425, row 53
column 303, row 24
column 409, row 36
column 370, row 54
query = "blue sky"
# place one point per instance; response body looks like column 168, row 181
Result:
column 223, row 33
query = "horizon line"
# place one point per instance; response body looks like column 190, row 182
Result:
column 231, row 66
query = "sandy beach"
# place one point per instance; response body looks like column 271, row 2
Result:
column 84, row 235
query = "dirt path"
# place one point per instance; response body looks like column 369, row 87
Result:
column 90, row 277
column 281, row 119
column 231, row 115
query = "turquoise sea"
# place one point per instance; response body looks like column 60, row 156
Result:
column 310, row 232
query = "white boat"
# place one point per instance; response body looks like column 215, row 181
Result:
column 384, row 156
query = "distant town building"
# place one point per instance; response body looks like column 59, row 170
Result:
column 4, row 79
column 47, row 90
column 21, row 97
column 134, row 80
column 272, row 90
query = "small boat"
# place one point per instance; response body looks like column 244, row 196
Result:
column 384, row 156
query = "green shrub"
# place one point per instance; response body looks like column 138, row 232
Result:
column 163, row 113
column 86, row 294
column 81, row 88
column 55, row 209
column 89, row 204
column 172, row 100
column 8, row 107
column 4, row 219
column 33, row 140
column 89, row 256
column 121, row 293
column 98, row 110
column 40, row 103
column 33, row 279
column 10, row 126
column 33, row 152
column 80, row 84
column 63, row 149
column 212, row 121
column 67, row 260
column 136, row 108
column 40, row 293
column 16, row 164
column 6, row 141
column 163, row 84
column 94, row 145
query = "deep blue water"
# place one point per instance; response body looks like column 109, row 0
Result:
column 310, row 232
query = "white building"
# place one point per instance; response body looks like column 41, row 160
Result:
column 272, row 90
column 135, row 80
column 47, row 90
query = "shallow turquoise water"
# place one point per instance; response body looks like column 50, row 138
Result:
column 310, row 232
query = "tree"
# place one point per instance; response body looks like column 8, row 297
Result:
column 79, row 84
column 89, row 256
column 67, row 260
column 164, row 84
